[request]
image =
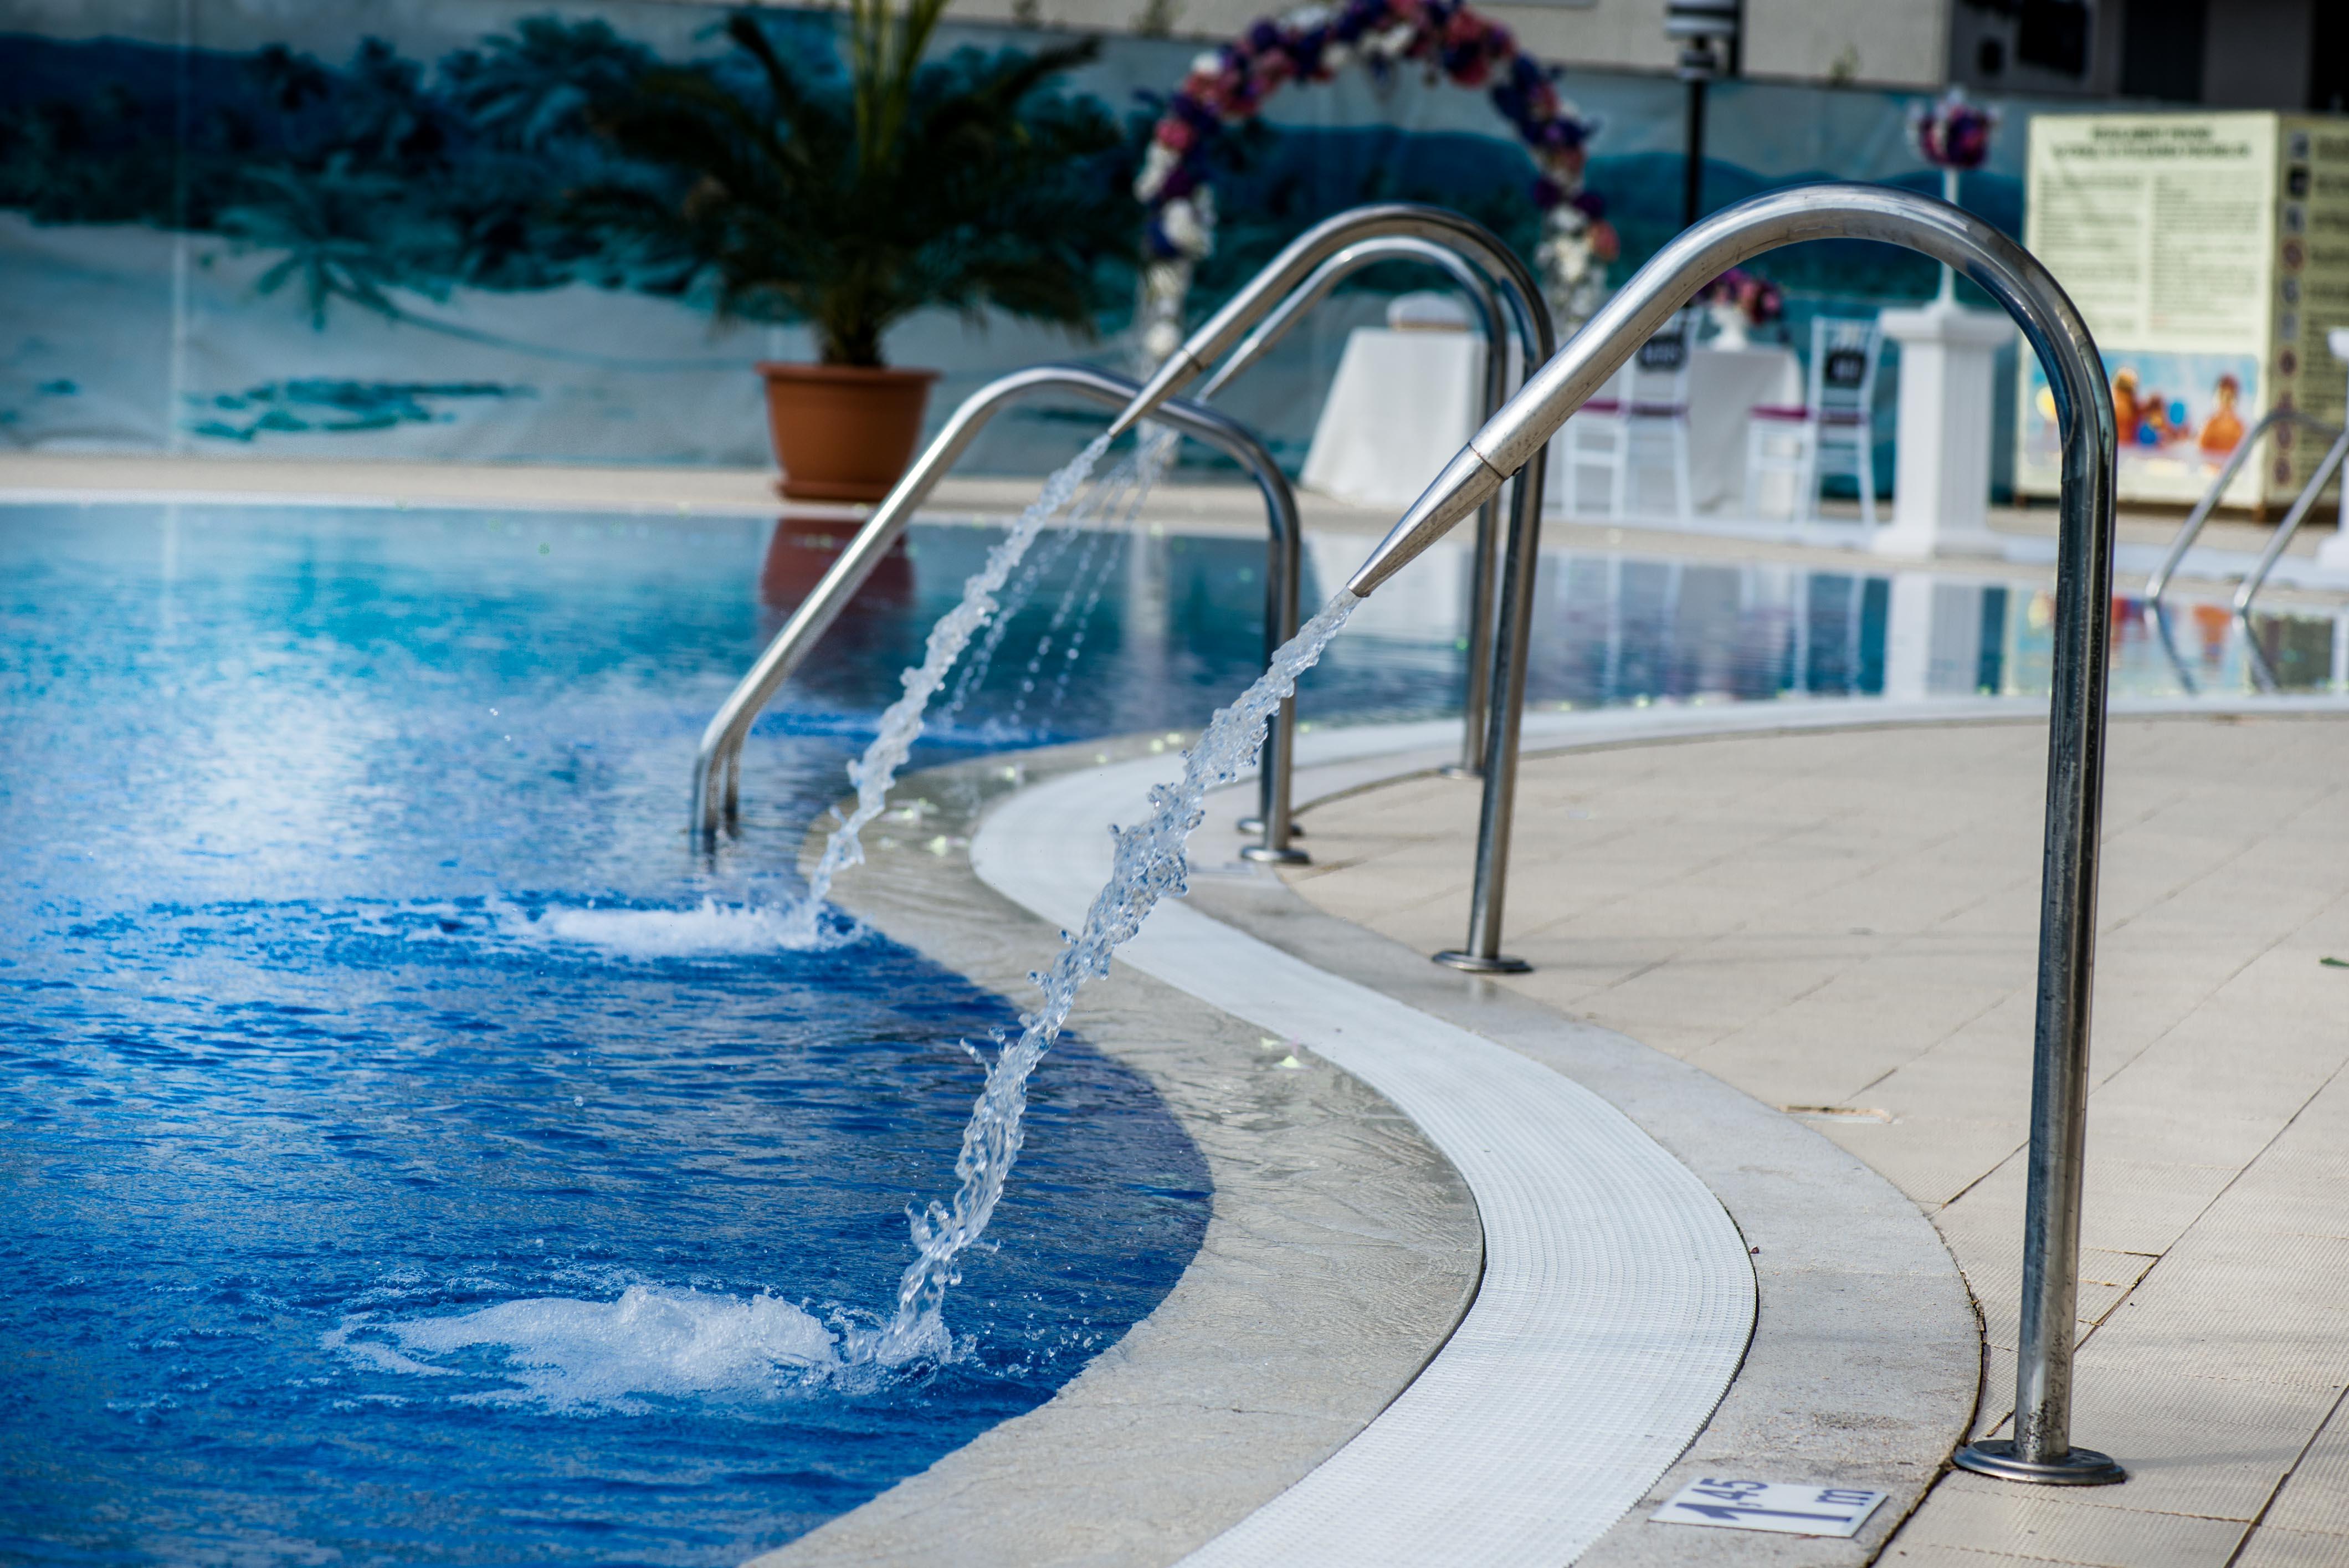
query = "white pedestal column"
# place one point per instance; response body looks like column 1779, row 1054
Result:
column 1940, row 489
column 1908, row 638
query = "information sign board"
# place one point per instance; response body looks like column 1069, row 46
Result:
column 2210, row 254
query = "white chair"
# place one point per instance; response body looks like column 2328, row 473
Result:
column 1639, row 420
column 1831, row 434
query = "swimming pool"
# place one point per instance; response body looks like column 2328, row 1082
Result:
column 413, row 1157
column 416, row 1154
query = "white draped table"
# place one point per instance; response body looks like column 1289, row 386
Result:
column 1404, row 402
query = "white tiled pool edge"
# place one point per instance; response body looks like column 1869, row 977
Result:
column 1618, row 1296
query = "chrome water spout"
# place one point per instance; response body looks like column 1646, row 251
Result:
column 2041, row 1449
column 1530, row 320
column 1297, row 262
column 1495, row 322
column 717, row 766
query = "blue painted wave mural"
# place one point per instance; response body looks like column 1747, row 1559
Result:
column 344, row 234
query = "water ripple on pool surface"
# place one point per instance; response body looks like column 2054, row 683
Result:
column 326, row 1212
column 413, row 1153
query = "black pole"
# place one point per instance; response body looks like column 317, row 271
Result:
column 1692, row 176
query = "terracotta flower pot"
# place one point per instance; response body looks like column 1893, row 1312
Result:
column 843, row 433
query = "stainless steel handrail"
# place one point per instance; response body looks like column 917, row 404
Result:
column 2263, row 672
column 1513, row 620
column 717, row 766
column 1485, row 302
column 2163, row 634
column 2041, row 1449
column 2306, row 499
column 2191, row 529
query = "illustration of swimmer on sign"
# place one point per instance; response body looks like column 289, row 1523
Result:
column 2179, row 416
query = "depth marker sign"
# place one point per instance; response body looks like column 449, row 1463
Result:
column 1790, row 1509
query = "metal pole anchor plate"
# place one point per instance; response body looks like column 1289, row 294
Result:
column 2079, row 1466
column 1477, row 963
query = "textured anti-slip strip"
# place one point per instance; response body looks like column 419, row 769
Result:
column 1616, row 1298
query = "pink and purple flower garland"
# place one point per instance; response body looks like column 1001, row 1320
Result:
column 1757, row 298
column 1230, row 84
column 1953, row 131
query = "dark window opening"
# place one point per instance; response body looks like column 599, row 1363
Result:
column 2328, row 69
column 2053, row 33
column 2161, row 50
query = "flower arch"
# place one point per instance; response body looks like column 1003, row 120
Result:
column 1229, row 86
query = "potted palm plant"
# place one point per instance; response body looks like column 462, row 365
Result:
column 851, row 199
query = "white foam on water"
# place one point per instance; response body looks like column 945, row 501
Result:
column 588, row 1355
column 709, row 930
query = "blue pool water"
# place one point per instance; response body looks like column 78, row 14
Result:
column 410, row 1155
column 414, row 1154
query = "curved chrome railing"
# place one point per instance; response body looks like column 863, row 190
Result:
column 2301, row 506
column 717, row 767
column 2191, row 529
column 1513, row 615
column 1221, row 332
column 2041, row 1449
column 1485, row 302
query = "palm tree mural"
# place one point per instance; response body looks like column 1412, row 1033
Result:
column 346, row 234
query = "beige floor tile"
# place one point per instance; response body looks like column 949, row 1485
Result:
column 2193, row 1065
column 2317, row 1498
column 2316, row 1207
column 2271, row 1547
column 1908, row 1556
column 1783, row 1065
column 1932, row 1170
column 2167, row 1129
column 1974, row 1513
column 1997, row 1399
column 2142, row 1206
column 2211, row 1447
column 2211, row 1473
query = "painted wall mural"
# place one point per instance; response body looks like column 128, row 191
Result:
column 239, row 227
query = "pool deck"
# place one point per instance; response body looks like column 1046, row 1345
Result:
column 1843, row 922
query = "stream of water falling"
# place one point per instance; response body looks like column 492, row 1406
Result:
column 1149, row 863
column 901, row 722
column 1116, row 496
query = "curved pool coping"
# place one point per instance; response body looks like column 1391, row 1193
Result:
column 1615, row 1285
column 1340, row 1251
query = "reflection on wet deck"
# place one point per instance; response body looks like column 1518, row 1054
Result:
column 1617, row 628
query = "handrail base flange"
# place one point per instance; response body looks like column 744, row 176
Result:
column 1264, row 856
column 1996, row 1457
column 1477, row 963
